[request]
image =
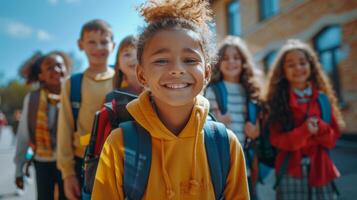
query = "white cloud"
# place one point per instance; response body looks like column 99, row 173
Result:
column 19, row 30
column 43, row 35
column 16, row 29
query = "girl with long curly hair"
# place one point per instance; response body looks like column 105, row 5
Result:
column 234, row 78
column 174, row 56
column 299, row 128
column 235, row 70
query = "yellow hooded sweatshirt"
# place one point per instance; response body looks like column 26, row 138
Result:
column 179, row 167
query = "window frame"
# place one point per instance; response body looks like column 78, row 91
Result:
column 334, row 76
column 230, row 29
column 267, row 15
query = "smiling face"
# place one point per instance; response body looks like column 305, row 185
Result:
column 173, row 67
column 231, row 64
column 97, row 45
column 127, row 64
column 297, row 69
column 53, row 71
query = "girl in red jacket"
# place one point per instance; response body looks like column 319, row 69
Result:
column 302, row 138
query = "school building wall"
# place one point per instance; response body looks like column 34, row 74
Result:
column 301, row 19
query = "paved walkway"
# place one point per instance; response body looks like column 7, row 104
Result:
column 344, row 155
column 7, row 170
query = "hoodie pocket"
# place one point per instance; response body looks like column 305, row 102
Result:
column 195, row 190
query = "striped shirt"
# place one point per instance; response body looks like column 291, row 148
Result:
column 236, row 107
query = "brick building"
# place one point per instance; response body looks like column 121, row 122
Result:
column 330, row 26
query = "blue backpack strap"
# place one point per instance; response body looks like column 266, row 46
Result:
column 325, row 107
column 75, row 96
column 137, row 159
column 252, row 111
column 220, row 91
column 326, row 115
column 218, row 155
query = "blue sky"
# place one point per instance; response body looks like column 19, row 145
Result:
column 46, row 25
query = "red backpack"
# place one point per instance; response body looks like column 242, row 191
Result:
column 108, row 118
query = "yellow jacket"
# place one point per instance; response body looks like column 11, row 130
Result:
column 94, row 88
column 179, row 167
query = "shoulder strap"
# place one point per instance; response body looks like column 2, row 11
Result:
column 137, row 159
column 112, row 117
column 33, row 104
column 220, row 91
column 252, row 111
column 218, row 154
column 121, row 99
column 93, row 138
column 75, row 96
column 325, row 107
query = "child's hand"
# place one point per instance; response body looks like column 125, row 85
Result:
column 71, row 188
column 19, row 181
column 252, row 131
column 313, row 125
column 225, row 119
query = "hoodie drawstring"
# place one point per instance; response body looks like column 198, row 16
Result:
column 169, row 191
column 194, row 184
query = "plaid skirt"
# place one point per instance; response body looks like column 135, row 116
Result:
column 291, row 188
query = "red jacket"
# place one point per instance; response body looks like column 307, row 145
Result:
column 300, row 142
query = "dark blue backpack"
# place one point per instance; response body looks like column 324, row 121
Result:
column 75, row 96
column 221, row 93
column 137, row 158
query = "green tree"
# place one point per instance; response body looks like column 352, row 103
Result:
column 12, row 96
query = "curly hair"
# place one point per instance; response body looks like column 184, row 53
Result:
column 191, row 15
column 26, row 69
column 128, row 42
column 247, row 78
column 34, row 65
column 277, row 96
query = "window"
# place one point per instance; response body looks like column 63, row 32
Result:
column 268, row 8
column 328, row 46
column 268, row 60
column 234, row 21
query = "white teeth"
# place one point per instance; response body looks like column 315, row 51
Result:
column 177, row 85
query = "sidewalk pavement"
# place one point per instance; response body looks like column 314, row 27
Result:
column 7, row 170
column 344, row 156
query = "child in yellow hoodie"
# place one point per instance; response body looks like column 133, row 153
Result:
column 174, row 56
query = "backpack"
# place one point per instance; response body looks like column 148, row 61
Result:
column 267, row 152
column 138, row 140
column 112, row 113
column 33, row 104
column 216, row 143
column 221, row 93
column 75, row 96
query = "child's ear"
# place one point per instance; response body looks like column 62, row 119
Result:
column 140, row 75
column 80, row 44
